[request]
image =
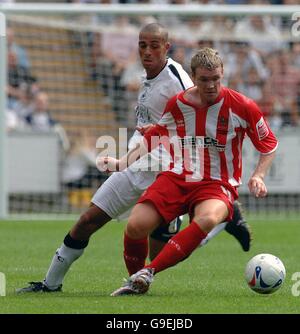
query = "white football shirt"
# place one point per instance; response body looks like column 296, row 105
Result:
column 153, row 97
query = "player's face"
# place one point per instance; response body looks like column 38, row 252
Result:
column 208, row 83
column 153, row 51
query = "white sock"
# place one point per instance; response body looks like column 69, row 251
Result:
column 60, row 264
column 215, row 231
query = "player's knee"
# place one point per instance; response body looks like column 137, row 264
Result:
column 81, row 230
column 136, row 230
column 87, row 224
column 93, row 216
column 86, row 219
column 206, row 222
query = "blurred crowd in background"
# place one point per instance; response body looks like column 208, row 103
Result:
column 261, row 60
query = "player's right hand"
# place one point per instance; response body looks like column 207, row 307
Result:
column 144, row 129
column 107, row 164
column 257, row 186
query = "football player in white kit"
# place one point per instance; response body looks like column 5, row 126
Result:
column 163, row 79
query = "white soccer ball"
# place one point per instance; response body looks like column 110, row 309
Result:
column 265, row 273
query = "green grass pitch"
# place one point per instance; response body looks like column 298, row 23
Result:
column 210, row 281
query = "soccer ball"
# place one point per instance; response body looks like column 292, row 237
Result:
column 265, row 273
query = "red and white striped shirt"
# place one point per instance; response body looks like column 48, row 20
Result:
column 210, row 139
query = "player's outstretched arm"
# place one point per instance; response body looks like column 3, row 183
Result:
column 110, row 164
column 256, row 183
column 153, row 136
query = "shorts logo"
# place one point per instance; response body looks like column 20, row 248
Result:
column 262, row 129
column 227, row 193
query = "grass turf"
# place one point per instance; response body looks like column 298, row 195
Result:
column 210, row 281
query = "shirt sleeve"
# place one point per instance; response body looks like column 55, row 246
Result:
column 153, row 138
column 259, row 130
column 163, row 130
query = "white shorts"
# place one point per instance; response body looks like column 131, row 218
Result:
column 121, row 191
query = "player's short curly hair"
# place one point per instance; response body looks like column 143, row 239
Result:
column 157, row 29
column 206, row 58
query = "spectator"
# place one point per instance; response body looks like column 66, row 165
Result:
column 290, row 2
column 187, row 33
column 25, row 104
column 21, row 53
column 217, row 27
column 40, row 119
column 298, row 100
column 179, row 54
column 241, row 58
column 13, row 121
column 79, row 170
column 131, row 82
column 262, row 35
column 295, row 54
column 285, row 80
column 17, row 76
column 235, row 2
column 113, row 53
column 267, row 106
column 173, row 21
column 252, row 85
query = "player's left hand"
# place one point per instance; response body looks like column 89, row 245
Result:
column 257, row 186
column 107, row 164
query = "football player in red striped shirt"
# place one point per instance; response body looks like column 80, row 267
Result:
column 203, row 129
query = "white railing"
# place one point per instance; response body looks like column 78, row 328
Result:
column 134, row 9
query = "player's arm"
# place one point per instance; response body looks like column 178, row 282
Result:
column 144, row 129
column 265, row 142
column 256, row 182
column 147, row 143
column 153, row 136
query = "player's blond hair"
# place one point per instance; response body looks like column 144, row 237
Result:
column 206, row 58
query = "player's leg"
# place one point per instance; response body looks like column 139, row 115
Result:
column 154, row 208
column 213, row 233
column 74, row 244
column 113, row 198
column 161, row 235
column 157, row 210
column 208, row 214
column 71, row 249
column 143, row 220
column 239, row 228
column 208, row 206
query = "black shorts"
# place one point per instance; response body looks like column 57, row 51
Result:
column 166, row 232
